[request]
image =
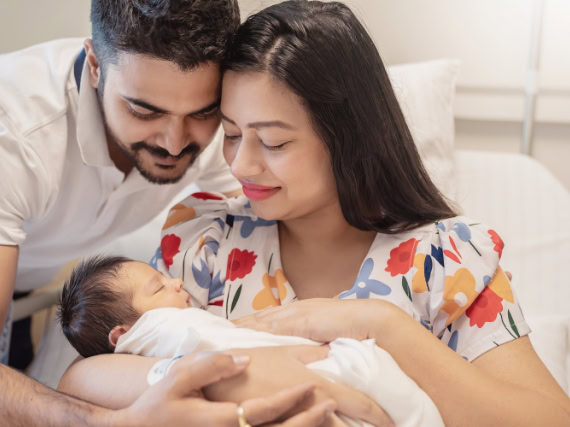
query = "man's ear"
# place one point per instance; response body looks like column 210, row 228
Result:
column 92, row 63
column 116, row 333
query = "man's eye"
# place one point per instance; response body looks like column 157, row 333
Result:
column 143, row 116
column 207, row 115
column 232, row 138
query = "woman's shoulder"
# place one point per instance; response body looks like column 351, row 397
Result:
column 450, row 233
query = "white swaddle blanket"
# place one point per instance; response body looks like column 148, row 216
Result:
column 168, row 332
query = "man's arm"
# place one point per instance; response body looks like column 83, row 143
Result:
column 174, row 401
column 8, row 267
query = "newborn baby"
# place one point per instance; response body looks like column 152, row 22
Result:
column 114, row 304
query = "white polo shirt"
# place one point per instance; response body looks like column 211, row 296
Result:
column 61, row 196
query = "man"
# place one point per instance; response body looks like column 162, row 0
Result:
column 96, row 140
column 174, row 401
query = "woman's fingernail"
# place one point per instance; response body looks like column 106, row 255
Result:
column 241, row 360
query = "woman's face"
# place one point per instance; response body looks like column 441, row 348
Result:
column 272, row 148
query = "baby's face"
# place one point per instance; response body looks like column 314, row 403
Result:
column 152, row 289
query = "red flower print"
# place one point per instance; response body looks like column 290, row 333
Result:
column 240, row 264
column 402, row 258
column 206, row 196
column 170, row 246
column 485, row 308
column 499, row 245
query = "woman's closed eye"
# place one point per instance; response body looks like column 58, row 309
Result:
column 275, row 147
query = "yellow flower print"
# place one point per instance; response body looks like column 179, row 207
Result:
column 265, row 297
column 419, row 284
column 459, row 293
column 179, row 213
column 501, row 286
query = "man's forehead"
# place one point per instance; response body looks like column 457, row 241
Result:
column 164, row 85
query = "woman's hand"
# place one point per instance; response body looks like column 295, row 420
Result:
column 319, row 319
column 274, row 368
column 177, row 400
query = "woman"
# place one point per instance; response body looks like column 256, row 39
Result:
column 315, row 135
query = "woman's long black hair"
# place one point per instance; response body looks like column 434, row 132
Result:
column 322, row 53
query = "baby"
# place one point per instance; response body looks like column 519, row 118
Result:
column 115, row 304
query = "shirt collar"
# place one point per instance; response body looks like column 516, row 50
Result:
column 91, row 136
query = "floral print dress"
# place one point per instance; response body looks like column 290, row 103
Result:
column 445, row 275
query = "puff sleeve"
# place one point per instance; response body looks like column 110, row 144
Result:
column 460, row 291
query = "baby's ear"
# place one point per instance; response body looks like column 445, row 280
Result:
column 116, row 333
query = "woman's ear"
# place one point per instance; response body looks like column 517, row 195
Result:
column 92, row 63
column 116, row 333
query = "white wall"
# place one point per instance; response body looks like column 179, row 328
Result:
column 490, row 37
column 26, row 22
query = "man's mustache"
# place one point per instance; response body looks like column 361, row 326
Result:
column 191, row 149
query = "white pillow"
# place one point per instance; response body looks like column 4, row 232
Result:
column 426, row 92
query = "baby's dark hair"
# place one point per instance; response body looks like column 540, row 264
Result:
column 92, row 305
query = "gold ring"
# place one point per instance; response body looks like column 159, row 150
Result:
column 241, row 418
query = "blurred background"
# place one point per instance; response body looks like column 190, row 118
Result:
column 513, row 91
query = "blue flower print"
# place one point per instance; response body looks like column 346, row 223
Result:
column 452, row 344
column 203, row 279
column 437, row 253
column 462, row 231
column 155, row 258
column 213, row 245
column 364, row 285
column 249, row 224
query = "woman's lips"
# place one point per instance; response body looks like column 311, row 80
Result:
column 258, row 192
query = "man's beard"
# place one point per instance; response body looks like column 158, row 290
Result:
column 193, row 150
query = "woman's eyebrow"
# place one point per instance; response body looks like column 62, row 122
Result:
column 258, row 125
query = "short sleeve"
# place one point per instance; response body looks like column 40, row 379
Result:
column 190, row 240
column 24, row 192
column 471, row 305
column 215, row 172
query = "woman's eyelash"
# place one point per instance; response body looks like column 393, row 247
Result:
column 275, row 147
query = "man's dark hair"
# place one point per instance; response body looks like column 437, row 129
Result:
column 323, row 54
column 92, row 305
column 186, row 32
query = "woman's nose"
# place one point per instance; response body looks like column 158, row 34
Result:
column 246, row 162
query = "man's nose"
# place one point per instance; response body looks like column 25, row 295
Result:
column 177, row 136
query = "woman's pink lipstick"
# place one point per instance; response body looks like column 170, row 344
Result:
column 258, row 192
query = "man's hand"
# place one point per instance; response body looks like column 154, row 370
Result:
column 177, row 400
column 274, row 368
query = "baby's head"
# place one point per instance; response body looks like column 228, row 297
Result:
column 106, row 295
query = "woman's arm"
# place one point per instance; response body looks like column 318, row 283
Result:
column 115, row 380
column 507, row 385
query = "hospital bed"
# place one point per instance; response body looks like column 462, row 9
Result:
column 513, row 193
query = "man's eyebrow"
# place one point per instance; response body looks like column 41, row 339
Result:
column 147, row 106
column 258, row 125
